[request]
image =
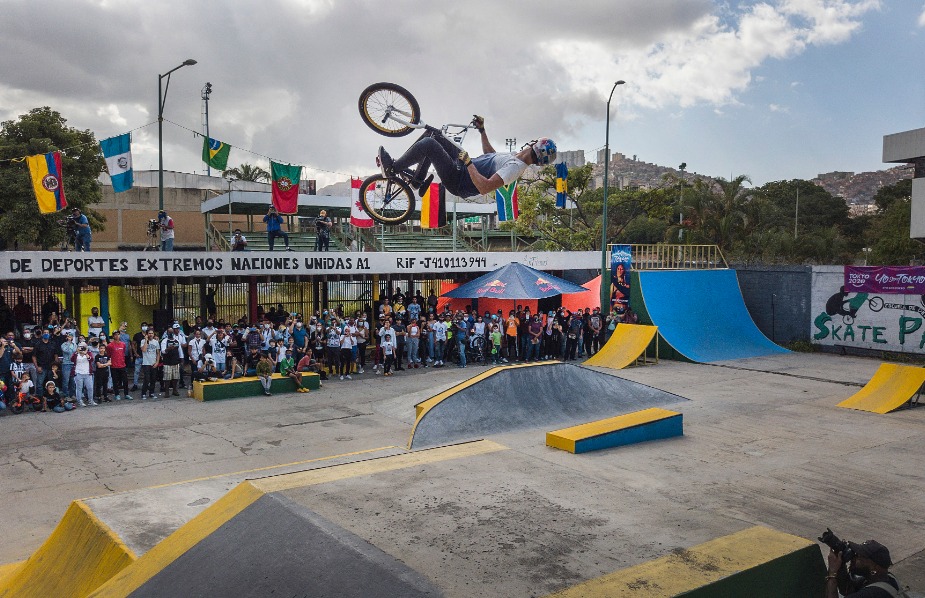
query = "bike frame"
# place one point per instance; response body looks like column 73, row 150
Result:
column 454, row 133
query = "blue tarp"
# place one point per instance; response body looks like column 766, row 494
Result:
column 515, row 281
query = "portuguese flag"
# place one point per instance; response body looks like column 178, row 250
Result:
column 433, row 207
column 285, row 187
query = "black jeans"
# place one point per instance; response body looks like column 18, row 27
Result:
column 451, row 170
column 272, row 234
column 323, row 241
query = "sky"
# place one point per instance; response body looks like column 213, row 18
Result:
column 772, row 89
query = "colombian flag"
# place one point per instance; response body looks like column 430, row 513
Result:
column 433, row 207
column 506, row 197
column 45, row 171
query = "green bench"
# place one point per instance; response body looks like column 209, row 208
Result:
column 249, row 386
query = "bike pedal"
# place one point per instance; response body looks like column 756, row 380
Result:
column 422, row 190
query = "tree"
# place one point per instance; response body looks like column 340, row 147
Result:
column 888, row 235
column 40, row 131
column 247, row 172
column 577, row 228
column 716, row 210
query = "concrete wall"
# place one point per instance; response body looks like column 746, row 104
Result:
column 778, row 299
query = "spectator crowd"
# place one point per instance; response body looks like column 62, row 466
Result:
column 61, row 364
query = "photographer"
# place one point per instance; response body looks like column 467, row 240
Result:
column 275, row 228
column 165, row 223
column 323, row 231
column 864, row 574
column 238, row 241
column 83, row 236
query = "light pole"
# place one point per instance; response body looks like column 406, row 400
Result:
column 681, row 202
column 161, row 99
column 605, row 267
column 510, row 142
column 206, row 92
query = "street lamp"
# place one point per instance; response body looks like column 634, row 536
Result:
column 161, row 99
column 605, row 267
column 510, row 142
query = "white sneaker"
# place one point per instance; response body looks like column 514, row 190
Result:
column 342, row 377
column 82, row 404
column 362, row 371
column 92, row 403
column 144, row 397
column 348, row 377
column 376, row 372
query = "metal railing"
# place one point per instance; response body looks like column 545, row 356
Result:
column 676, row 257
column 215, row 239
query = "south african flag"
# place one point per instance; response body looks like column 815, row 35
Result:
column 506, row 197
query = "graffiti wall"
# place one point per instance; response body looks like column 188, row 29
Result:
column 844, row 316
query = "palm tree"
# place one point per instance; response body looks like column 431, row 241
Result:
column 247, row 172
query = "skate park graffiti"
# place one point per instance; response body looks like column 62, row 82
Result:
column 883, row 321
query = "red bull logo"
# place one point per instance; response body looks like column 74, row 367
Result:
column 496, row 286
column 545, row 285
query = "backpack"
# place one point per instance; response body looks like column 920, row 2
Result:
column 893, row 592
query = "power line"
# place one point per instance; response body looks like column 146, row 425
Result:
column 64, row 149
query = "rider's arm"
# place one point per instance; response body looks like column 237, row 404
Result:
column 486, row 145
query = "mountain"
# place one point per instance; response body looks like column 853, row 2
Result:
column 859, row 188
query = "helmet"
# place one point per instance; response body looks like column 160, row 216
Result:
column 545, row 150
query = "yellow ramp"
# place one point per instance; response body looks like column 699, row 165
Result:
column 891, row 386
column 80, row 555
column 756, row 562
column 624, row 347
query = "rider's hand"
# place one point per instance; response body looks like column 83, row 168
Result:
column 464, row 156
column 478, row 122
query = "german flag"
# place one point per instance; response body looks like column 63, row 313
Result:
column 433, row 207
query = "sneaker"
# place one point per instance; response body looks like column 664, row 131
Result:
column 385, row 162
column 342, row 377
column 348, row 377
column 144, row 397
column 375, row 371
column 118, row 397
column 92, row 403
column 362, row 371
column 81, row 403
column 128, row 397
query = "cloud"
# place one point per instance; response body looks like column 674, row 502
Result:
column 286, row 74
column 778, row 108
column 922, row 18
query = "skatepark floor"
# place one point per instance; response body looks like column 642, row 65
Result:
column 763, row 444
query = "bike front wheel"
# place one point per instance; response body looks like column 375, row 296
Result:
column 387, row 201
column 381, row 104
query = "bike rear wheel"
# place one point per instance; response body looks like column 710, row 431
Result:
column 381, row 100
column 387, row 201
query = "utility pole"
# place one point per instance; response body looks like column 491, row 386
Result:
column 796, row 215
column 681, row 202
column 510, row 142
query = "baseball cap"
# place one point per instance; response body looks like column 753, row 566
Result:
column 208, row 357
column 873, row 550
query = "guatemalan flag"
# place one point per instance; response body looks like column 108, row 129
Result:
column 118, row 154
column 358, row 216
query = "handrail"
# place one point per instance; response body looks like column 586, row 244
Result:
column 661, row 256
column 216, row 238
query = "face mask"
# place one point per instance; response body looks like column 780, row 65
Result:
column 45, row 337
column 144, row 328
column 298, row 324
column 27, row 336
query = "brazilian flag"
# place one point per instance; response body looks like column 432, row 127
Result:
column 215, row 153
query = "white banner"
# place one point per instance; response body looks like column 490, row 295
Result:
column 22, row 265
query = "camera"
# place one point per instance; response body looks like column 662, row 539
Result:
column 153, row 226
column 837, row 545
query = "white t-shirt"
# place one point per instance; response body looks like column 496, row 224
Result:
column 219, row 350
column 388, row 347
column 346, row 338
column 383, row 331
column 167, row 233
column 195, row 348
column 508, row 166
column 479, row 329
column 439, row 330
column 95, row 325
column 82, row 363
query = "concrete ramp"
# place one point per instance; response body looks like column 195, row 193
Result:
column 700, row 314
column 505, row 399
column 891, row 386
column 757, row 562
column 627, row 343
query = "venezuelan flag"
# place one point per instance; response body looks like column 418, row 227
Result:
column 433, row 207
column 47, row 181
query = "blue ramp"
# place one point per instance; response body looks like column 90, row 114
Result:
column 702, row 315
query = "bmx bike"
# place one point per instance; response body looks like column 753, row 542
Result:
column 391, row 110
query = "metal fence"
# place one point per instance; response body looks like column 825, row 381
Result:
column 676, row 257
